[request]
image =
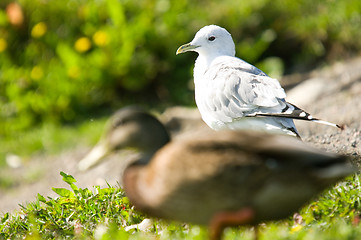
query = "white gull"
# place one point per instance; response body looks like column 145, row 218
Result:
column 233, row 94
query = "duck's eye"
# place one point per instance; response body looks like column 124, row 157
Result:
column 211, row 38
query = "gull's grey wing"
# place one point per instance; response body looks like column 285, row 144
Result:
column 234, row 89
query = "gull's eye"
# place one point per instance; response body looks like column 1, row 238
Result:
column 211, row 38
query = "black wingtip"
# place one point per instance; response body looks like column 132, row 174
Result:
column 342, row 126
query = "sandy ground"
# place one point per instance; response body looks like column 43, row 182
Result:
column 332, row 94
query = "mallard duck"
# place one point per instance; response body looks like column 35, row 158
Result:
column 233, row 94
column 219, row 178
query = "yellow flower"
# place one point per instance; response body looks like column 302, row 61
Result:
column 101, row 38
column 39, row 30
column 3, row 44
column 36, row 73
column 83, row 44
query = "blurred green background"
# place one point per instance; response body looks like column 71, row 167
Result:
column 65, row 62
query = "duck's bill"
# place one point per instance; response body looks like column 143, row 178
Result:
column 95, row 156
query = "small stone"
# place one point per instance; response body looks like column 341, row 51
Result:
column 354, row 144
column 145, row 225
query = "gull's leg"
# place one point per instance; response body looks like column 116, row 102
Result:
column 223, row 219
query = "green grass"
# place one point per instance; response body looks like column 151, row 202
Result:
column 104, row 213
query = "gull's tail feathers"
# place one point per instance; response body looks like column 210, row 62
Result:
column 294, row 112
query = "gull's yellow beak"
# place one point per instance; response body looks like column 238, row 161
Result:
column 185, row 48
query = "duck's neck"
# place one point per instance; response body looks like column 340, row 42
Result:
column 148, row 151
column 145, row 157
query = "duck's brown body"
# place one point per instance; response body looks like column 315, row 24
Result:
column 218, row 178
column 194, row 178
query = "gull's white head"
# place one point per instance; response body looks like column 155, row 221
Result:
column 210, row 40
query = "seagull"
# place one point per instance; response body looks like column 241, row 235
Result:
column 233, row 94
column 215, row 178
